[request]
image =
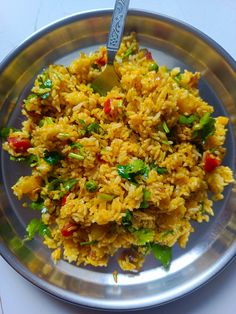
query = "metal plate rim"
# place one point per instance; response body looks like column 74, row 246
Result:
column 6, row 253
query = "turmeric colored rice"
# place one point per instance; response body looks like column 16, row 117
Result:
column 127, row 171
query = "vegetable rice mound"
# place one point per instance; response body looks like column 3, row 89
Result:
column 129, row 170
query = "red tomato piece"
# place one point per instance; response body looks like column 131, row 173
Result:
column 148, row 56
column 20, row 145
column 107, row 106
column 99, row 158
column 63, row 200
column 102, row 61
column 211, row 163
column 69, row 228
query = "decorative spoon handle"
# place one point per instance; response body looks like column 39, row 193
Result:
column 117, row 28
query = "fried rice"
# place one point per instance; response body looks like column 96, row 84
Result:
column 129, row 171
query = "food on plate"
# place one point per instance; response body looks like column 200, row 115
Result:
column 128, row 171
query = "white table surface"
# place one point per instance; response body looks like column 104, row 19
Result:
column 18, row 20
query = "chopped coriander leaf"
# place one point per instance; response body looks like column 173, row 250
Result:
column 165, row 142
column 106, row 197
column 130, row 171
column 148, row 248
column 144, row 235
column 162, row 253
column 94, row 128
column 89, row 242
column 82, row 122
column 208, row 129
column 177, row 78
column 128, row 52
column 167, row 232
column 19, row 159
column 159, row 170
column 76, row 145
column 205, row 127
column 37, row 226
column 136, row 166
column 45, row 121
column 146, row 172
column 52, row 158
column 44, row 230
column 146, row 197
column 45, row 95
column 76, row 156
column 165, row 127
column 120, row 103
column 4, row 133
column 91, row 186
column 153, row 67
column 54, row 184
column 30, row 96
column 124, row 173
column 68, row 184
column 32, row 160
column 45, row 85
column 38, row 205
column 188, row 120
column 127, row 219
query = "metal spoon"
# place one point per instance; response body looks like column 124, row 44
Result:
column 109, row 78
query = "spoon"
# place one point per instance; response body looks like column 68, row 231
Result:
column 109, row 78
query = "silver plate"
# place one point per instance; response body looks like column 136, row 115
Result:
column 210, row 248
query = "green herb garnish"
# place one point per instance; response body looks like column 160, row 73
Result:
column 162, row 253
column 76, row 156
column 153, row 67
column 38, row 205
column 127, row 219
column 91, row 186
column 76, row 145
column 45, row 121
column 188, row 120
column 52, row 158
column 89, row 242
column 37, row 226
column 146, row 197
column 94, row 128
column 57, row 184
column 106, row 197
column 45, row 85
column 82, row 122
column 205, row 127
column 130, row 171
column 19, row 159
column 30, row 96
column 128, row 52
column 144, row 235
column 178, row 78
column 68, row 184
column 165, row 127
column 159, row 170
column 4, row 132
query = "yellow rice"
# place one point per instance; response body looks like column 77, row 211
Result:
column 133, row 131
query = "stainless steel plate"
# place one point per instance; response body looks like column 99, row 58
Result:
column 210, row 248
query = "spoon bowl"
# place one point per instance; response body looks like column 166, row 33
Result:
column 109, row 77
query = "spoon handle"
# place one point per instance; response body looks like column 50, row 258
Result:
column 117, row 28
